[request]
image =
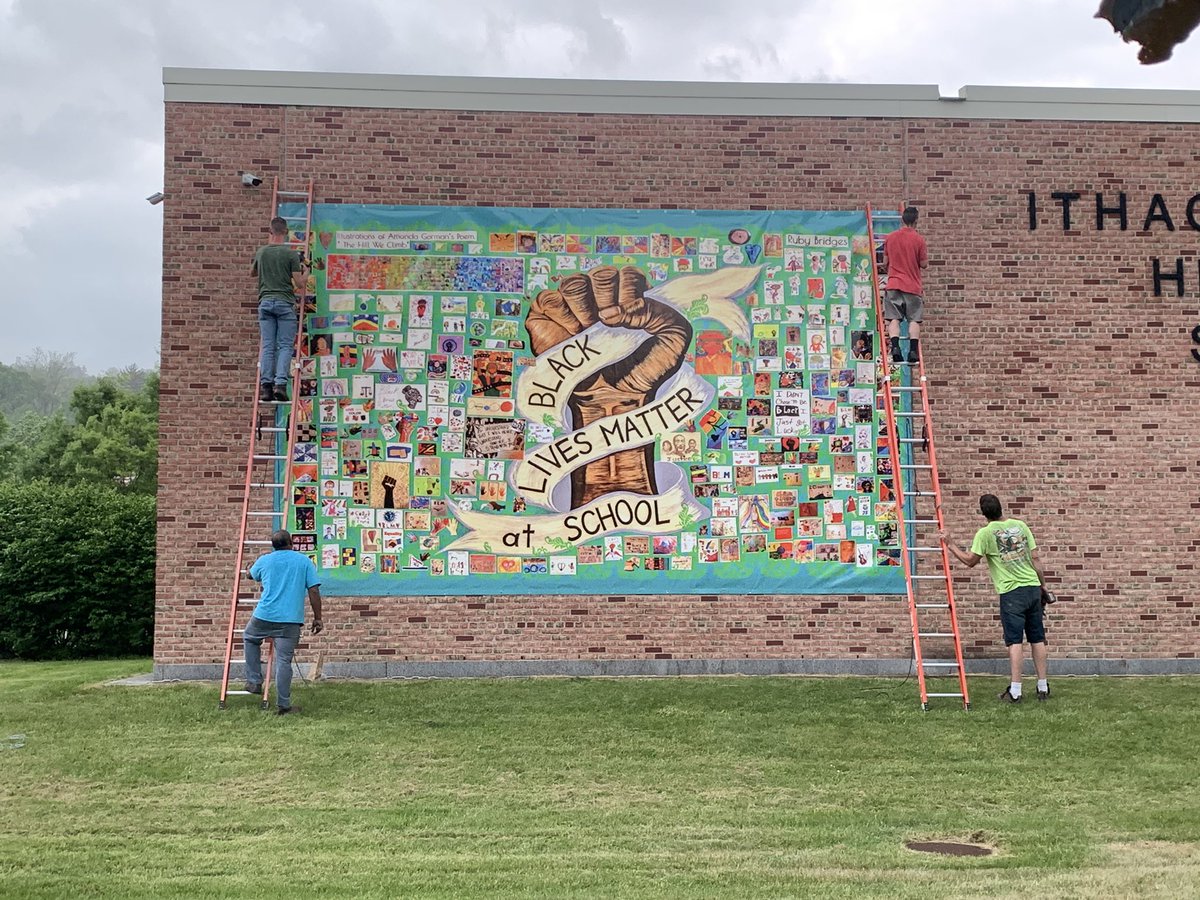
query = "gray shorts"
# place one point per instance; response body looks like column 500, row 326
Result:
column 899, row 305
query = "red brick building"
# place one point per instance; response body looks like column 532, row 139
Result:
column 1064, row 298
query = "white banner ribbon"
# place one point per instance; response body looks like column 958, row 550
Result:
column 683, row 398
column 669, row 511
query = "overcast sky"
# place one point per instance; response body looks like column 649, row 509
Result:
column 81, row 110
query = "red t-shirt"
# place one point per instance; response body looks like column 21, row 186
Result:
column 905, row 251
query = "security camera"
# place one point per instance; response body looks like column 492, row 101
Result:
column 250, row 180
column 156, row 198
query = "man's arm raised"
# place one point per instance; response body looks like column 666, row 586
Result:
column 968, row 559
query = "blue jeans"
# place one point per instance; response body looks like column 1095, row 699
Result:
column 286, row 636
column 277, row 323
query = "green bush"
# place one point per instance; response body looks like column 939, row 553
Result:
column 76, row 571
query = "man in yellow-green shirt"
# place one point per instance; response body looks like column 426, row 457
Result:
column 1011, row 554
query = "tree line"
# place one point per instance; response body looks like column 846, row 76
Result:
column 77, row 509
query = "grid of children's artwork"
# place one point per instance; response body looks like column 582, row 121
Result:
column 592, row 401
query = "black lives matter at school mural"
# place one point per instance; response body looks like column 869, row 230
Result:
column 592, row 402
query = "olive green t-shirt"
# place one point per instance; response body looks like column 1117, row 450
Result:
column 275, row 264
column 1007, row 545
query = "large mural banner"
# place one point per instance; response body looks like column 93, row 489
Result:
column 576, row 401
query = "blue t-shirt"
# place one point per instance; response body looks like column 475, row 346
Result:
column 286, row 576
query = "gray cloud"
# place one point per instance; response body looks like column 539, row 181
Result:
column 81, row 100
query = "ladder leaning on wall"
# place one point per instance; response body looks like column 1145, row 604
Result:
column 931, row 607
column 272, row 437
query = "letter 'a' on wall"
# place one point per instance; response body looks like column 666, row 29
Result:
column 536, row 401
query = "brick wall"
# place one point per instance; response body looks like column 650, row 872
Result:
column 1060, row 382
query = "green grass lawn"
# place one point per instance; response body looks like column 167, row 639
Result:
column 706, row 787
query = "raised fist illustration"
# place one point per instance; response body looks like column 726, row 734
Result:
column 616, row 298
column 389, row 486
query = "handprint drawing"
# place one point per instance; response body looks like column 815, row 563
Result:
column 616, row 298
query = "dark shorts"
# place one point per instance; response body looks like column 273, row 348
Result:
column 899, row 305
column 1021, row 615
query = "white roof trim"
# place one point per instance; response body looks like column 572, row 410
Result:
column 238, row 86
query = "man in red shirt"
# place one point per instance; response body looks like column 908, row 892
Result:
column 904, row 256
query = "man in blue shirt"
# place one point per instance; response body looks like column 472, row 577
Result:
column 285, row 576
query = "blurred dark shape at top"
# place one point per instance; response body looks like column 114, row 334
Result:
column 1158, row 25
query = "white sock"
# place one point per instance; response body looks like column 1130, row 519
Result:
column 1043, row 685
column 1015, row 689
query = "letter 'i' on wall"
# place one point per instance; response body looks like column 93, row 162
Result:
column 583, row 401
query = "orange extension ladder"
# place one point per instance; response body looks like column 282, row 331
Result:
column 266, row 499
column 930, row 596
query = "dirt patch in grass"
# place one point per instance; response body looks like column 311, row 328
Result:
column 949, row 848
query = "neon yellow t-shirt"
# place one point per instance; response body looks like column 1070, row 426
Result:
column 1007, row 545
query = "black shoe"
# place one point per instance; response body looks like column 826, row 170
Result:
column 266, row 392
column 1044, row 695
column 913, row 357
column 288, row 710
column 253, row 688
column 1007, row 697
column 281, row 393
column 897, row 356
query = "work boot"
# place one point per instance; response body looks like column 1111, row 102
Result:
column 281, row 393
column 897, row 356
column 266, row 392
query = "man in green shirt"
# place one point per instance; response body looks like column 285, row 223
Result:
column 280, row 279
column 1011, row 554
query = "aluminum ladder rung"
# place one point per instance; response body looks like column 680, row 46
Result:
column 912, row 549
column 267, row 484
column 273, row 430
column 920, row 494
column 909, row 415
column 243, row 693
column 908, row 440
column 920, row 521
column 920, row 466
column 282, row 456
column 291, row 193
column 933, row 606
column 279, row 513
column 939, row 577
column 940, row 665
column 905, row 388
column 935, row 634
column 952, row 694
